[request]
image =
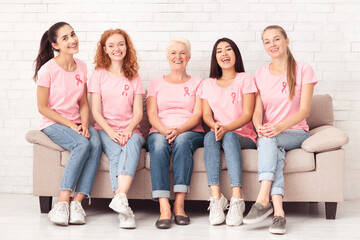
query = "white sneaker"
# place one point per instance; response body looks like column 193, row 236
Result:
column 120, row 204
column 235, row 216
column 59, row 214
column 77, row 213
column 217, row 207
column 128, row 220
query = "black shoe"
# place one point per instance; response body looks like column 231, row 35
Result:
column 182, row 220
column 163, row 224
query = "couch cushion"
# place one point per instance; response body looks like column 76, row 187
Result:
column 104, row 161
column 297, row 160
column 325, row 138
column 321, row 112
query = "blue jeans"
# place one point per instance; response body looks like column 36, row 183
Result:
column 123, row 160
column 83, row 161
column 232, row 143
column 160, row 150
column 271, row 156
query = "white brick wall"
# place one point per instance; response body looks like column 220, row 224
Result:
column 324, row 33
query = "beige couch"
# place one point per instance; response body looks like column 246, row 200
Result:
column 313, row 173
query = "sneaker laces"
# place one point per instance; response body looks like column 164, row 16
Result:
column 234, row 206
column 78, row 208
column 256, row 207
column 278, row 220
column 213, row 207
column 61, row 207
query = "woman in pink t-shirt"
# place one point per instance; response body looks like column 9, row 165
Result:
column 285, row 89
column 228, row 99
column 116, row 102
column 174, row 110
column 62, row 100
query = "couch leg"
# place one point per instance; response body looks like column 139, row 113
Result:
column 330, row 209
column 45, row 204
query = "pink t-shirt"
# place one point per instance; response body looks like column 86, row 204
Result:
column 117, row 98
column 175, row 102
column 275, row 93
column 227, row 103
column 65, row 90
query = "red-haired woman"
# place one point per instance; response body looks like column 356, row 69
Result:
column 285, row 89
column 116, row 96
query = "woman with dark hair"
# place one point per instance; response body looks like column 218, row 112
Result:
column 116, row 101
column 285, row 89
column 228, row 99
column 62, row 100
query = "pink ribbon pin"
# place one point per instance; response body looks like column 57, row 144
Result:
column 284, row 87
column 233, row 95
column 77, row 77
column 186, row 89
column 127, row 87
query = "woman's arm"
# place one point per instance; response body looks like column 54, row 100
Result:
column 257, row 118
column 42, row 103
column 154, row 120
column 272, row 130
column 248, row 110
column 84, row 114
column 137, row 116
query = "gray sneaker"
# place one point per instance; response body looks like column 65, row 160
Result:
column 278, row 225
column 258, row 213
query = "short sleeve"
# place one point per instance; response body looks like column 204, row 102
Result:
column 139, row 88
column 308, row 75
column 199, row 88
column 151, row 90
column 44, row 77
column 248, row 85
column 94, row 82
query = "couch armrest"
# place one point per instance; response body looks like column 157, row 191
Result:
column 325, row 138
column 38, row 137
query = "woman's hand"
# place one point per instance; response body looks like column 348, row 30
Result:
column 84, row 130
column 124, row 136
column 75, row 127
column 270, row 130
column 220, row 131
column 172, row 135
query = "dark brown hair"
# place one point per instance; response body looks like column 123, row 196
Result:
column 46, row 51
column 215, row 69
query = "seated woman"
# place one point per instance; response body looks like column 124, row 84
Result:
column 282, row 105
column 174, row 111
column 228, row 99
column 116, row 97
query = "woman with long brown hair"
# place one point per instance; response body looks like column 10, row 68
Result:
column 285, row 89
column 116, row 96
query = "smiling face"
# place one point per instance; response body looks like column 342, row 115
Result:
column 115, row 47
column 275, row 43
column 66, row 42
column 177, row 56
column 225, row 55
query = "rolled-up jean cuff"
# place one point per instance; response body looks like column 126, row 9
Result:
column 236, row 185
column 160, row 194
column 266, row 176
column 127, row 174
column 213, row 184
column 181, row 188
column 277, row 191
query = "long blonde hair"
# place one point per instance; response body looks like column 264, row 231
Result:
column 291, row 64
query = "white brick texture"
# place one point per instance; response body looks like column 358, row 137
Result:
column 326, row 34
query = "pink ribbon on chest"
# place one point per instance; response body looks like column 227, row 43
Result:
column 77, row 77
column 126, row 88
column 284, row 87
column 186, row 89
column 233, row 95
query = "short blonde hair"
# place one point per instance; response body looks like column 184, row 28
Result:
column 181, row 40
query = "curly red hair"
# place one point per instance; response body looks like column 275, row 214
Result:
column 101, row 60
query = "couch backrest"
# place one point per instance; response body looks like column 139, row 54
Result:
column 321, row 111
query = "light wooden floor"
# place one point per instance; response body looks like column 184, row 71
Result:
column 20, row 219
